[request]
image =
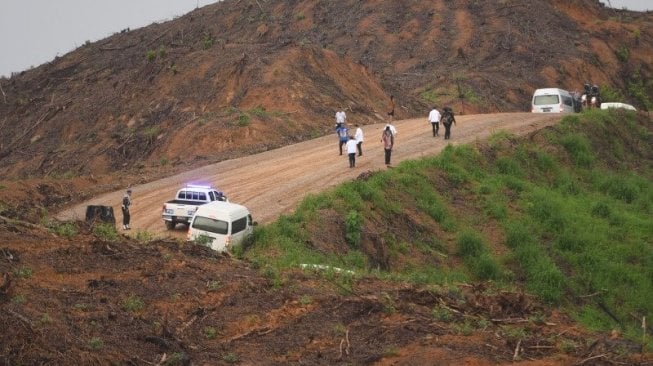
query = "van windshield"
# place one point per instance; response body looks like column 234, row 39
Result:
column 546, row 99
column 211, row 225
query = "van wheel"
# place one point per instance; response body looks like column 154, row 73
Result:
column 170, row 225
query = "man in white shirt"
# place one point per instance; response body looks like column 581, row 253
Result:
column 434, row 118
column 341, row 117
column 359, row 139
column 351, row 151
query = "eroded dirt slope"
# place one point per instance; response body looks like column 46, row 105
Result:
column 245, row 76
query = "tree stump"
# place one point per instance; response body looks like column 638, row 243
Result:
column 100, row 214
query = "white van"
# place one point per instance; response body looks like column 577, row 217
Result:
column 552, row 100
column 223, row 224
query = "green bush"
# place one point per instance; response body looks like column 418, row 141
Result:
column 353, row 222
column 105, row 231
column 469, row 244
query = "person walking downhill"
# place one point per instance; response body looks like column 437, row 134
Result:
column 388, row 140
column 447, row 120
column 434, row 118
column 343, row 136
column 126, row 202
column 351, row 151
column 359, row 139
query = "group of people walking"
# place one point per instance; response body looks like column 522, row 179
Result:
column 354, row 143
column 447, row 118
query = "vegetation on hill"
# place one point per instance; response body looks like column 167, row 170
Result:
column 565, row 214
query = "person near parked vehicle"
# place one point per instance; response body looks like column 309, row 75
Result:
column 434, row 119
column 341, row 118
column 388, row 140
column 126, row 202
column 359, row 139
column 343, row 136
column 447, row 120
column 352, row 146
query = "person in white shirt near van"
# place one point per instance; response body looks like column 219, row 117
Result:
column 359, row 139
column 434, row 119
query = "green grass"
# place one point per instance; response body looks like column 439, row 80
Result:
column 570, row 213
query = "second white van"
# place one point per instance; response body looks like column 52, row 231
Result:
column 552, row 100
column 221, row 225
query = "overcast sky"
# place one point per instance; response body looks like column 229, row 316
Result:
column 33, row 32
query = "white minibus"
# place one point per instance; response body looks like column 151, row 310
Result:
column 552, row 100
column 221, row 225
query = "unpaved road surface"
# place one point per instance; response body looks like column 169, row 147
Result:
column 274, row 182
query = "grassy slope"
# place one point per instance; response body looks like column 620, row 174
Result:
column 565, row 214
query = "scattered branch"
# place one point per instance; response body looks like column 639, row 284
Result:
column 591, row 358
column 4, row 96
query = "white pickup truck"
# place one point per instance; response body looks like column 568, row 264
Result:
column 188, row 199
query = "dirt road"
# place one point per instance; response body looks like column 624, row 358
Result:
column 274, row 182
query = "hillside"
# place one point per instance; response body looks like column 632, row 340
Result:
column 501, row 252
column 239, row 77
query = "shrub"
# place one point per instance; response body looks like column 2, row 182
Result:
column 353, row 222
column 67, row 229
column 133, row 303
column 151, row 55
column 469, row 244
column 106, row 232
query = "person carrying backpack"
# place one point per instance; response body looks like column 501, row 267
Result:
column 343, row 136
column 447, row 120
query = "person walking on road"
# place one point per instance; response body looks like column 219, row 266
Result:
column 351, row 151
column 359, row 139
column 343, row 136
column 447, row 120
column 126, row 202
column 434, row 118
column 388, row 140
column 341, row 117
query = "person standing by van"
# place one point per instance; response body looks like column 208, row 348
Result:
column 434, row 118
column 359, row 139
column 352, row 146
column 447, row 120
column 343, row 136
column 388, row 140
column 126, row 203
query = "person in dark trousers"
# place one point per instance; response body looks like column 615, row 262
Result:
column 351, row 151
column 343, row 136
column 359, row 139
column 434, row 118
column 388, row 140
column 126, row 202
column 447, row 120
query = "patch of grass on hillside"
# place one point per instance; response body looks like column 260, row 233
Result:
column 559, row 215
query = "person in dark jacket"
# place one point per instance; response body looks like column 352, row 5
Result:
column 126, row 202
column 447, row 120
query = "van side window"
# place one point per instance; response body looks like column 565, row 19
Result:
column 211, row 225
column 202, row 196
column 211, row 196
column 567, row 100
column 182, row 195
column 239, row 225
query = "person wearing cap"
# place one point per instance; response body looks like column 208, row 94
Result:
column 126, row 202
